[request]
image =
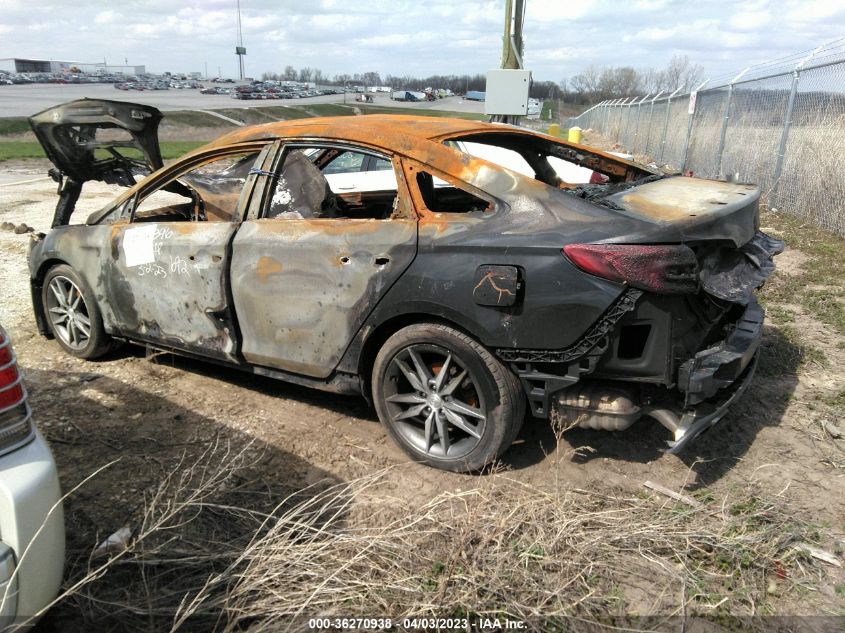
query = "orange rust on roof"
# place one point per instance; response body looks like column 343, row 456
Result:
column 417, row 137
column 389, row 131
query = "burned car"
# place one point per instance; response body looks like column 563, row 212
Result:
column 454, row 296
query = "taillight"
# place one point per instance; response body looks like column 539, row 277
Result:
column 666, row 269
column 11, row 392
column 15, row 425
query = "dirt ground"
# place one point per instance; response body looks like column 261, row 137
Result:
column 148, row 414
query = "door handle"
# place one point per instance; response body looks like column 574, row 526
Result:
column 350, row 187
column 382, row 261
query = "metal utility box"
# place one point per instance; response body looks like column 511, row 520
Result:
column 507, row 92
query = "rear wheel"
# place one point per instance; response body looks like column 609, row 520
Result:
column 73, row 315
column 444, row 398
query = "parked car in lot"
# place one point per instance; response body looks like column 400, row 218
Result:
column 32, row 538
column 456, row 294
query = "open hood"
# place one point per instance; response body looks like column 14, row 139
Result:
column 95, row 139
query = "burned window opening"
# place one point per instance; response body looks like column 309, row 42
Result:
column 333, row 183
column 446, row 197
column 554, row 163
column 207, row 193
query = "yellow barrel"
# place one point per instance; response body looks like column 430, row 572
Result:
column 554, row 129
column 575, row 134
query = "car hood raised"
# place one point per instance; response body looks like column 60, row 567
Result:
column 96, row 139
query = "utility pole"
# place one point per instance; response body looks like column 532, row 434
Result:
column 240, row 49
column 512, row 41
column 512, row 48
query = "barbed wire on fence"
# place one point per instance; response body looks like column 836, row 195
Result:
column 779, row 124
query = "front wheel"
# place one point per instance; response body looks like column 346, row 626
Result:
column 73, row 315
column 444, row 398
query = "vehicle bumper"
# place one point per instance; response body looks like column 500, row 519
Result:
column 32, row 538
column 705, row 415
column 719, row 366
column 708, row 385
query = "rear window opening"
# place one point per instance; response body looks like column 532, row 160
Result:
column 443, row 197
column 555, row 163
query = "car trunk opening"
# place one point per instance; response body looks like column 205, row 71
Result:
column 94, row 139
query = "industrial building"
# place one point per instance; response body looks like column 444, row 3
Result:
column 21, row 65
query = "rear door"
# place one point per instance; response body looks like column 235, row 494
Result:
column 308, row 267
column 166, row 272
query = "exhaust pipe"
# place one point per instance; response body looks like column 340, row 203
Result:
column 608, row 406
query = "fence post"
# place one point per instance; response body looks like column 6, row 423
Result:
column 609, row 122
column 624, row 127
column 787, row 124
column 666, row 125
column 637, row 127
column 619, row 127
column 650, row 117
column 611, row 115
column 724, row 131
column 689, row 126
column 630, row 114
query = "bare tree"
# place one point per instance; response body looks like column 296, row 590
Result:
column 372, row 79
column 680, row 73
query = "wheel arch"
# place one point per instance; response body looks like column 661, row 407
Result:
column 376, row 338
column 36, row 285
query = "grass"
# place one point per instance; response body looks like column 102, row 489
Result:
column 16, row 150
column 14, row 125
column 369, row 109
column 211, row 549
column 190, row 118
column 819, row 288
column 783, row 352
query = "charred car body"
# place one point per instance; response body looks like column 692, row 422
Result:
column 458, row 295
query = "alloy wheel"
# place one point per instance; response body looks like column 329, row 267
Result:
column 434, row 401
column 68, row 313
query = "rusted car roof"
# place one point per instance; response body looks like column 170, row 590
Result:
column 389, row 131
column 416, row 137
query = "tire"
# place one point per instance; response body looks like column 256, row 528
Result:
column 73, row 315
column 430, row 381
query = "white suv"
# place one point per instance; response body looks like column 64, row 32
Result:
column 32, row 536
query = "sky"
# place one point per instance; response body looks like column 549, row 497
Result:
column 419, row 38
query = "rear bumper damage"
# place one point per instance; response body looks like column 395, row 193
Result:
column 709, row 384
column 697, row 420
column 682, row 361
column 719, row 366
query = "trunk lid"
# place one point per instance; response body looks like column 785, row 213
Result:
column 698, row 209
column 96, row 139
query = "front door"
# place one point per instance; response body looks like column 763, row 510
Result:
column 310, row 267
column 167, row 267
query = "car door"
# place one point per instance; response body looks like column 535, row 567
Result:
column 166, row 273
column 305, row 274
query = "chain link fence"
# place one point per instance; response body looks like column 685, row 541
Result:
column 780, row 125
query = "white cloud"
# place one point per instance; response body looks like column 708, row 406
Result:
column 750, row 20
column 105, row 17
column 410, row 37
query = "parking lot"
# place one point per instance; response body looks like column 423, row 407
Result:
column 27, row 99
